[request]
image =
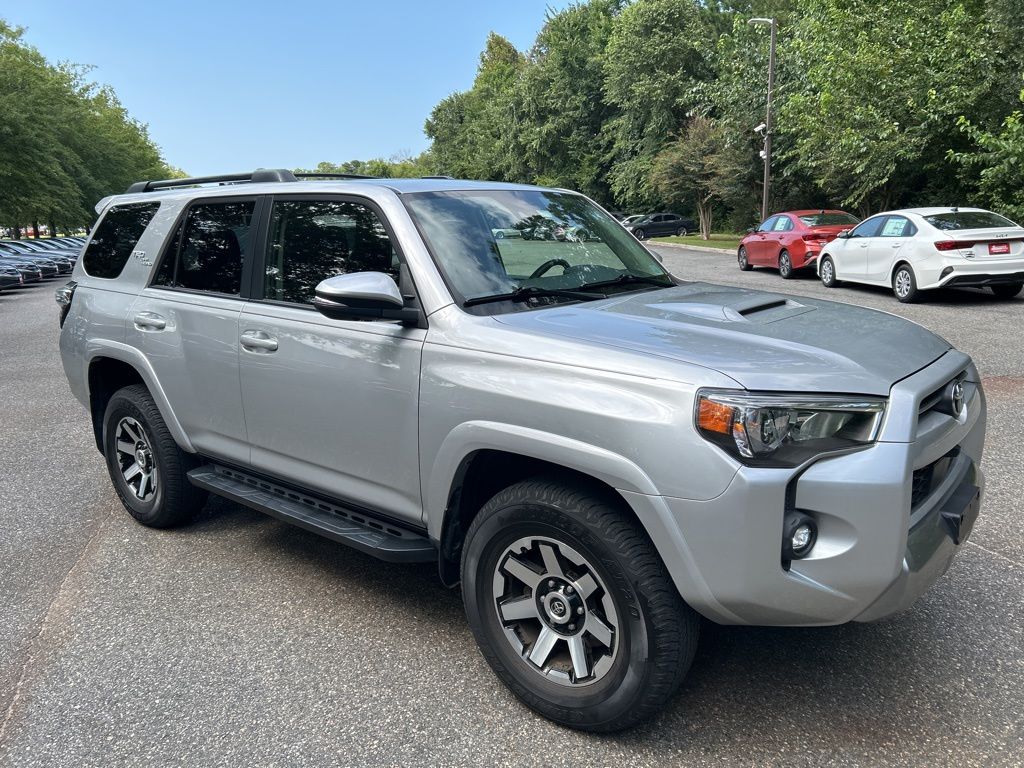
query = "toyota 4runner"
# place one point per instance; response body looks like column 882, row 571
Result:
column 601, row 453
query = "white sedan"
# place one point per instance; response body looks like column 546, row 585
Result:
column 918, row 249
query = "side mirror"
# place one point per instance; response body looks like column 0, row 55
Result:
column 751, row 230
column 363, row 296
column 845, row 234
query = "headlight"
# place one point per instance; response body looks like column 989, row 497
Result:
column 786, row 430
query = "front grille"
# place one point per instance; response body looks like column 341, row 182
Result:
column 927, row 479
column 938, row 400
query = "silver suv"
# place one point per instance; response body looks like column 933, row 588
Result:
column 601, row 453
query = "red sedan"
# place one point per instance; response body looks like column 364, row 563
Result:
column 792, row 240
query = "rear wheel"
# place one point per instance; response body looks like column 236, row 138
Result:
column 741, row 259
column 681, row 232
column 785, row 266
column 572, row 607
column 147, row 467
column 639, row 234
column 827, row 273
column 904, row 284
column 1007, row 291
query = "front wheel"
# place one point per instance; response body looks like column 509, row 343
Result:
column 827, row 273
column 1007, row 291
column 742, row 260
column 639, row 234
column 572, row 606
column 904, row 284
column 681, row 232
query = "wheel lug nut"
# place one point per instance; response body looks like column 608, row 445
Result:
column 572, row 627
column 551, row 583
column 569, row 590
column 580, row 610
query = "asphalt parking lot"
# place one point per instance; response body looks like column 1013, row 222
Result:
column 243, row 641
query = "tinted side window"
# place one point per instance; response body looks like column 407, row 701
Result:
column 782, row 224
column 116, row 237
column 209, row 248
column 869, row 228
column 311, row 240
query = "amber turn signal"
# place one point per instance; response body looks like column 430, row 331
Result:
column 715, row 417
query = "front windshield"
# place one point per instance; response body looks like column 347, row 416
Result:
column 495, row 242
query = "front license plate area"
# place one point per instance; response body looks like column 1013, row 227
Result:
column 960, row 511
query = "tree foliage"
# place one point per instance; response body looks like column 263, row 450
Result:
column 65, row 142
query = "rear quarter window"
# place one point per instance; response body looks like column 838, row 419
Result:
column 116, row 237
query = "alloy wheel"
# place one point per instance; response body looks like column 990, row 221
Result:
column 135, row 458
column 556, row 611
column 826, row 271
column 903, row 283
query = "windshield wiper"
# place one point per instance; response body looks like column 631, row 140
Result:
column 627, row 279
column 532, row 291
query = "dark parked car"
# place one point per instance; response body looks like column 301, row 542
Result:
column 10, row 277
column 660, row 225
column 31, row 272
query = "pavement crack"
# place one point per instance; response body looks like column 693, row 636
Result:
column 1001, row 556
column 30, row 656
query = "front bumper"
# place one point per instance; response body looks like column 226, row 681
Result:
column 884, row 535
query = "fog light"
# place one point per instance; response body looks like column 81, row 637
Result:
column 802, row 538
column 799, row 535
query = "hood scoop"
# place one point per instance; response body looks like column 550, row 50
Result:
column 745, row 308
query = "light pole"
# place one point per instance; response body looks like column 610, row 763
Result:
column 768, row 116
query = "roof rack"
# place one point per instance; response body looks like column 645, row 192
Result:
column 257, row 176
column 334, row 176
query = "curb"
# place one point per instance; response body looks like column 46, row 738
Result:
column 701, row 248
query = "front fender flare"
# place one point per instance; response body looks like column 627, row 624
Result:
column 471, row 436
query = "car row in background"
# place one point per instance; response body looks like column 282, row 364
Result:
column 909, row 251
column 28, row 261
column 658, row 225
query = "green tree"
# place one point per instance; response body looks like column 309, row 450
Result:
column 657, row 53
column 699, row 168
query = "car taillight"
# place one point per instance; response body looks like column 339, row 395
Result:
column 814, row 237
column 952, row 245
column 63, row 296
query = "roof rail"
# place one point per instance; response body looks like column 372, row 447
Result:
column 334, row 176
column 257, row 176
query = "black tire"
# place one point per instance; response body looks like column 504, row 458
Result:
column 827, row 272
column 741, row 259
column 1007, row 291
column 785, row 266
column 654, row 640
column 681, row 232
column 173, row 500
column 904, row 284
column 639, row 234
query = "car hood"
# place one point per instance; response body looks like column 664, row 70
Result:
column 764, row 341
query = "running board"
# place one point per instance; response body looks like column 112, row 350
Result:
column 374, row 537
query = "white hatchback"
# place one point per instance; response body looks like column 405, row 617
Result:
column 918, row 249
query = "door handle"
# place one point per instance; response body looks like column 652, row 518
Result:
column 258, row 341
column 897, row 245
column 149, row 320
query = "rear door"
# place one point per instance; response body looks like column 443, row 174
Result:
column 186, row 322
column 779, row 238
column 894, row 236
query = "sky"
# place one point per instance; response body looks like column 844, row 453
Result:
column 228, row 86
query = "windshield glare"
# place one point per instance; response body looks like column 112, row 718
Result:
column 829, row 219
column 492, row 242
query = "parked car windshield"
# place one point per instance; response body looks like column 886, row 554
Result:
column 495, row 242
column 954, row 220
column 829, row 219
